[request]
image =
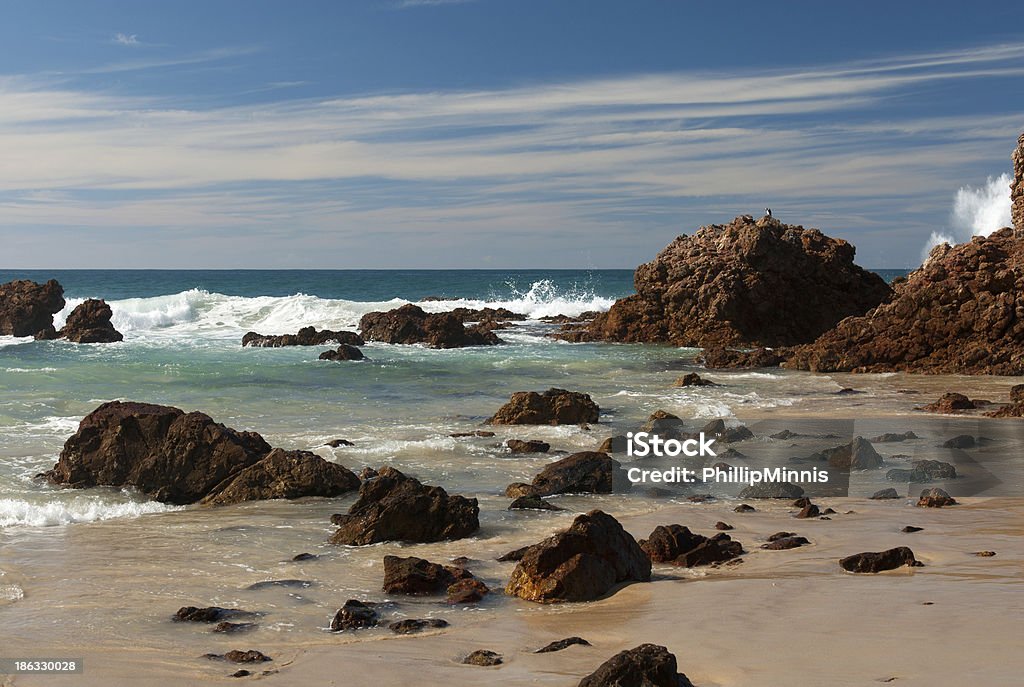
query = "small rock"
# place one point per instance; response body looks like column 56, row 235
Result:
column 891, row 437
column 960, row 441
column 984, row 554
column 809, row 511
column 883, row 494
column 744, row 508
column 342, row 353
column 562, row 644
column 783, row 543
column 412, row 575
column 677, row 545
column 910, row 529
column 772, row 490
column 531, row 446
column 412, row 626
column 725, row 527
column 873, row 562
column 467, row 591
column 483, row 657
column 532, row 502
column 225, row 627
column 354, row 615
column 210, row 614
column 250, row 656
column 240, row 673
column 647, row 665
column 305, row 557
column 693, row 379
column 935, row 498
column 292, row 584
column 514, row 555
column 338, row 443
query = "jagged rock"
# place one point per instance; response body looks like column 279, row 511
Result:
column 677, row 545
column 888, row 493
column 411, row 626
column 776, row 543
column 165, row 453
column 466, row 591
column 416, row 576
column 772, row 490
column 562, row 644
column 530, row 446
column 343, row 352
column 27, row 307
column 532, row 502
column 307, row 336
column 394, row 507
column 859, row 454
column 284, row 475
column 580, row 564
column 719, row 358
column 484, row 314
column 354, row 615
column 553, row 407
column 891, row 437
column 647, row 665
column 483, row 657
column 923, row 471
column 513, row 556
column 873, row 562
column 956, row 314
column 808, row 511
column 1016, row 406
column 409, row 324
column 89, row 322
column 693, row 379
column 935, row 498
column 749, row 282
column 250, row 656
column 1017, row 187
column 586, row 472
column 984, row 554
column 952, row 403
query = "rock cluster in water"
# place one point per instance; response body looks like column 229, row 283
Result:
column 307, row 336
column 89, row 322
column 409, row 324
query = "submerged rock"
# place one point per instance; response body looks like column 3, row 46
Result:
column 409, row 324
column 417, row 576
column 951, row 403
column 677, row 545
column 307, row 336
column 27, row 307
column 562, row 644
column 882, row 494
column 791, row 541
column 693, row 379
column 411, row 626
column 210, row 614
column 532, row 502
column 354, row 615
column 873, row 562
column 890, row 437
column 581, row 563
column 342, row 353
column 394, row 507
column 530, row 446
column 647, row 665
column 923, row 471
column 553, row 407
column 483, row 657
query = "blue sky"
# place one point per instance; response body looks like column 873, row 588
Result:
column 489, row 133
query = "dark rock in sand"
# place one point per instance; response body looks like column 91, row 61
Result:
column 305, row 557
column 530, row 446
column 553, row 407
column 210, row 614
column 354, row 615
column 724, row 526
column 250, row 656
column 891, row 437
column 285, row 475
column 89, row 322
column 532, row 502
column 289, row 584
column 923, row 471
column 240, row 673
column 873, row 562
column 888, row 493
column 409, row 324
column 910, row 529
column 394, row 507
column 859, row 454
column 27, row 308
column 466, row 591
column 418, row 576
column 935, row 498
column 693, row 379
column 647, row 665
column 744, row 508
column 792, row 541
column 580, row 564
column 781, row 535
column 750, row 282
column 338, row 443
column 960, row 441
column 342, row 353
column 562, row 644
column 677, row 545
column 772, row 490
column 411, row 626
column 809, row 511
column 225, row 627
column 514, row 555
column 483, row 657
column 951, row 404
column 984, row 554
column 587, row 472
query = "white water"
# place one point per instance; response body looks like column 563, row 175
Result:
column 76, row 509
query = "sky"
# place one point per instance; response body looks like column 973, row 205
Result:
column 491, row 133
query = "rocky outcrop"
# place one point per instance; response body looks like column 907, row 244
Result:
column 647, row 665
column 485, row 314
column 307, row 336
column 553, row 407
column 89, row 322
column 178, row 457
column 411, row 325
column 27, row 308
column 394, row 507
column 952, row 403
column 1015, row 407
column 677, row 545
column 746, row 283
column 873, row 562
column 718, row 358
column 959, row 313
column 580, row 564
column 1017, row 187
column 343, row 352
column 285, row 475
column 586, row 472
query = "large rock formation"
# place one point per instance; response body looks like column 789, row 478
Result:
column 553, row 407
column 580, row 564
column 962, row 312
column 747, row 283
column 27, row 308
column 394, row 507
column 307, row 336
column 178, row 457
column 89, row 322
column 1017, row 187
column 411, row 325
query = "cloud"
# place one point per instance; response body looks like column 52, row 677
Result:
column 593, row 157
column 129, row 39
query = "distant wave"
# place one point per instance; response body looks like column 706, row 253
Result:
column 200, row 312
column 78, row 509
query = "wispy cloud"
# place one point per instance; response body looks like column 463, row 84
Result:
column 620, row 154
column 129, row 39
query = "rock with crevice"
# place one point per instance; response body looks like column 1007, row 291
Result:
column 27, row 307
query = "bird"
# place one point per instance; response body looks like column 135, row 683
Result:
column 768, row 212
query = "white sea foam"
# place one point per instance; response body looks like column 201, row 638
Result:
column 543, row 299
column 30, row 369
column 11, row 592
column 77, row 509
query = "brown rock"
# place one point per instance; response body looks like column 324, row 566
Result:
column 89, row 322
column 409, row 324
column 586, row 472
column 950, row 403
column 790, row 541
column 693, row 379
column 418, row 576
column 354, row 615
column 580, row 564
column 719, row 358
column 562, row 644
column 677, row 545
column 873, row 562
column 394, row 507
column 343, row 352
column 532, row 502
column 27, row 307
column 307, row 336
column 210, row 614
column 859, row 454
column 530, row 446
column 647, row 665
column 809, row 511
column 759, row 283
column 284, row 475
column 1017, row 187
column 724, row 526
column 250, row 656
column 553, row 407
column 935, row 498
column 483, row 657
column 467, row 591
column 411, row 626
